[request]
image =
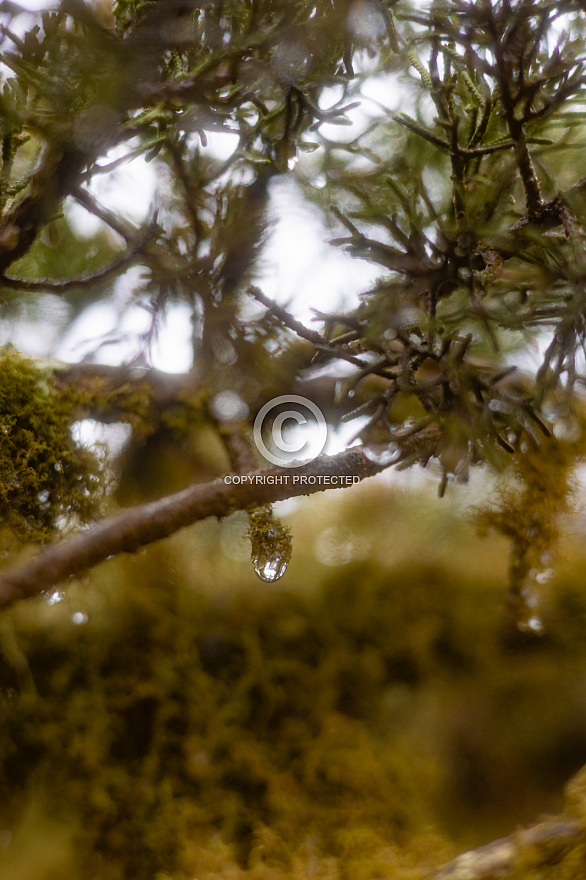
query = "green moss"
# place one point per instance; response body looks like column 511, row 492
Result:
column 204, row 727
column 44, row 474
column 179, row 732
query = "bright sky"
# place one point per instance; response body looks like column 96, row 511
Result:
column 299, row 269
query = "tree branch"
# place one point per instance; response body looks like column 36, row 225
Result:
column 135, row 527
column 287, row 319
column 123, row 393
column 238, row 446
column 324, row 345
column 127, row 393
column 121, row 226
column 57, row 174
column 544, row 844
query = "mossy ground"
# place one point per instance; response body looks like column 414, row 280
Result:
column 361, row 719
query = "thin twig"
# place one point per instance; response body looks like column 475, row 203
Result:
column 122, row 227
column 322, row 344
column 238, row 446
column 47, row 186
column 116, row 163
column 286, row 318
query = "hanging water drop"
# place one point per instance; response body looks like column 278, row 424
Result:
column 270, row 545
column 270, row 569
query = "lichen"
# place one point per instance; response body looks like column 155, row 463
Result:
column 529, row 503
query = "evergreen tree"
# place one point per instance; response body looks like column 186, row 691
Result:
column 469, row 349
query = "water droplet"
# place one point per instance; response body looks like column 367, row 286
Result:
column 524, row 606
column 270, row 569
column 382, row 453
column 54, row 597
column 271, row 545
column 79, row 618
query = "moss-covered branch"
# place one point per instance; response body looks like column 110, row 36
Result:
column 135, row 527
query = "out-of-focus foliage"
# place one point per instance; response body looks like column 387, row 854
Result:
column 171, row 716
column 462, row 204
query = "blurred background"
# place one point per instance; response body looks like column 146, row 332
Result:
column 372, row 712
